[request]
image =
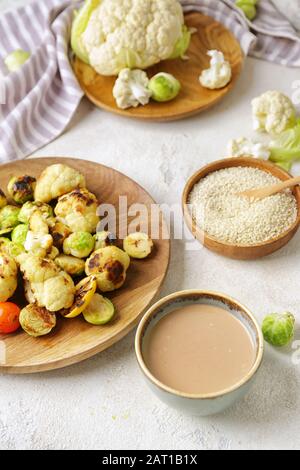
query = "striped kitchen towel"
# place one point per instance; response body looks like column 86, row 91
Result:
column 39, row 100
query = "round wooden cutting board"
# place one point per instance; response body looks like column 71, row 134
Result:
column 75, row 340
column 193, row 98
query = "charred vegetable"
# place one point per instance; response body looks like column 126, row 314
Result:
column 21, row 189
column 109, row 265
column 85, row 291
column 37, row 321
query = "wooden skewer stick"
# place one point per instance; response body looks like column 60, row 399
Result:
column 261, row 193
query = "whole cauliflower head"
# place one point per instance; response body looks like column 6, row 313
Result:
column 132, row 34
column 78, row 211
column 273, row 112
column 8, row 277
column 57, row 180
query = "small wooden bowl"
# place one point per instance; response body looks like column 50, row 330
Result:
column 239, row 251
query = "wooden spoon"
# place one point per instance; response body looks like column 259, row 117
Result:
column 261, row 193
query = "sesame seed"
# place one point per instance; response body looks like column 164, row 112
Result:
column 221, row 213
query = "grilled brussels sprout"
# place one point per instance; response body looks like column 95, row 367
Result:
column 109, row 265
column 70, row 264
column 3, row 200
column 85, row 291
column 79, row 244
column 59, row 233
column 103, row 239
column 14, row 250
column 30, row 207
column 138, row 245
column 100, row 310
column 10, row 248
column 37, row 321
column 9, row 217
column 19, row 234
column 21, row 189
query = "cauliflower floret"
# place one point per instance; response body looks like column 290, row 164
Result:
column 38, row 241
column 273, row 112
column 219, row 74
column 132, row 33
column 38, row 244
column 78, row 211
column 57, row 180
column 8, row 277
column 29, row 295
column 30, row 207
column 49, row 286
column 36, row 269
column 56, row 293
column 131, row 89
column 245, row 147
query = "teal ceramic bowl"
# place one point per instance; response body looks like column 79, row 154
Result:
column 209, row 404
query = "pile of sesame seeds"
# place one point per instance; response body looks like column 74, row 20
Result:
column 220, row 212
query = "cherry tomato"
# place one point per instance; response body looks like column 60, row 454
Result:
column 9, row 317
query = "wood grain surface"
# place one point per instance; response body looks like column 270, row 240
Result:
column 193, row 98
column 74, row 340
column 237, row 251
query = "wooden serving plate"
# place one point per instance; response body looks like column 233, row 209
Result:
column 75, row 340
column 193, row 98
column 238, row 251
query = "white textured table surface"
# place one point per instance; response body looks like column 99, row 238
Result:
column 103, row 402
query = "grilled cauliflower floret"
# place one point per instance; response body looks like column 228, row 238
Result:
column 38, row 244
column 59, row 233
column 57, row 180
column 35, row 269
column 29, row 295
column 30, row 207
column 132, row 33
column 8, row 277
column 56, row 293
column 78, row 211
column 273, row 112
column 52, row 288
column 109, row 265
column 38, row 241
column 37, row 321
